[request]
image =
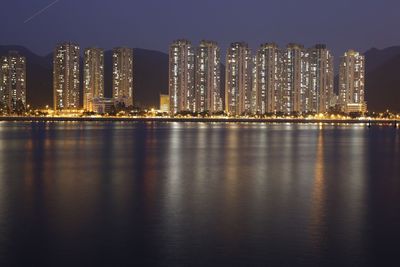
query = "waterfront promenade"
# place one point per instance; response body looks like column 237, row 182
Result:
column 394, row 122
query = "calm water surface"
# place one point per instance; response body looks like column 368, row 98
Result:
column 179, row 194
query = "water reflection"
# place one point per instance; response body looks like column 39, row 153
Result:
column 217, row 193
column 318, row 194
column 3, row 196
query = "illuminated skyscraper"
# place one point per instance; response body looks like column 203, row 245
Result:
column 208, row 78
column 66, row 76
column 351, row 82
column 268, row 78
column 182, row 76
column 308, row 97
column 93, row 77
column 13, row 82
column 291, row 86
column 238, row 87
column 254, row 87
column 123, row 75
column 317, row 95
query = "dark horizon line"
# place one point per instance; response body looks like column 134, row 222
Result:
column 166, row 52
column 80, row 48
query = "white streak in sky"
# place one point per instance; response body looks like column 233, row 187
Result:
column 40, row 11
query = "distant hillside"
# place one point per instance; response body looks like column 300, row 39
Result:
column 151, row 77
column 377, row 57
column 383, row 86
column 383, row 79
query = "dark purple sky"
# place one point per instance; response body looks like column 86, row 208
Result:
column 153, row 24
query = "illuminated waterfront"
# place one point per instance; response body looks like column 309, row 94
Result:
column 333, row 120
column 110, row 193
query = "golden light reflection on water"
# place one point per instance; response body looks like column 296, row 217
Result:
column 397, row 142
column 3, row 191
column 173, row 185
column 37, row 167
column 150, row 163
column 201, row 156
column 232, row 172
column 230, row 210
column 318, row 193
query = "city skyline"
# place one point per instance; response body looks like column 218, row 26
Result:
column 303, row 79
column 286, row 80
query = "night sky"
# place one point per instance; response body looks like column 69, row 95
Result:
column 153, row 24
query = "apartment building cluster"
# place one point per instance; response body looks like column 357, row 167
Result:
column 289, row 80
column 195, row 77
column 66, row 78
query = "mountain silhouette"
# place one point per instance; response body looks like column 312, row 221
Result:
column 382, row 79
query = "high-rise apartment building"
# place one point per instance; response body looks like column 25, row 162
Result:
column 291, row 82
column 318, row 79
column 208, row 78
column 268, row 78
column 352, row 82
column 181, row 76
column 93, row 77
column 13, row 82
column 123, row 75
column 308, row 97
column 238, row 86
column 66, row 76
column 254, row 93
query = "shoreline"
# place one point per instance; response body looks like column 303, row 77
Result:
column 217, row 120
